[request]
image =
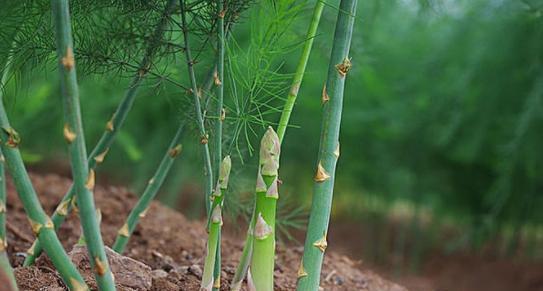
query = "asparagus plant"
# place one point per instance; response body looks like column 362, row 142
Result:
column 263, row 258
column 5, row 266
column 140, row 209
column 220, row 113
column 74, row 136
column 243, row 266
column 209, row 280
column 42, row 225
column 332, row 97
column 300, row 70
column 112, row 127
column 198, row 108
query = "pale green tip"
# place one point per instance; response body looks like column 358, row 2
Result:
column 224, row 172
column 270, row 148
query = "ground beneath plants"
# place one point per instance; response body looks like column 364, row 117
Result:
column 170, row 245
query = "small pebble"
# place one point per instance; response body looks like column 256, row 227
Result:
column 196, row 270
column 159, row 273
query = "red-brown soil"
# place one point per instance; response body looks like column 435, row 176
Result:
column 165, row 240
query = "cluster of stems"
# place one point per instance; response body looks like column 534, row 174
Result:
column 258, row 256
column 41, row 224
column 243, row 266
column 140, row 209
column 74, row 136
column 112, row 127
column 315, row 242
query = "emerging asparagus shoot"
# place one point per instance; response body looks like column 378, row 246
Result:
column 243, row 265
column 262, row 261
column 214, row 225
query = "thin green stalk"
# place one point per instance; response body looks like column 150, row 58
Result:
column 220, row 113
column 300, row 70
column 42, row 226
column 243, row 266
column 263, row 258
column 112, row 128
column 4, row 260
column 209, row 280
column 198, row 108
column 315, row 243
column 140, row 209
column 74, row 135
column 245, row 258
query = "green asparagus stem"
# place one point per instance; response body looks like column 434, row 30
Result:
column 4, row 260
column 315, row 243
column 300, row 70
column 209, row 280
column 42, row 226
column 198, row 108
column 112, row 127
column 140, row 209
column 220, row 113
column 242, row 268
column 262, row 261
column 74, row 135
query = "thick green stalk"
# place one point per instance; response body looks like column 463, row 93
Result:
column 42, row 225
column 242, row 268
column 263, row 258
column 198, row 108
column 300, row 70
column 74, row 135
column 112, row 127
column 209, row 280
column 140, row 209
column 315, row 243
column 4, row 260
column 220, row 113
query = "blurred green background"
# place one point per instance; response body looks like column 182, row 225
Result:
column 441, row 141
